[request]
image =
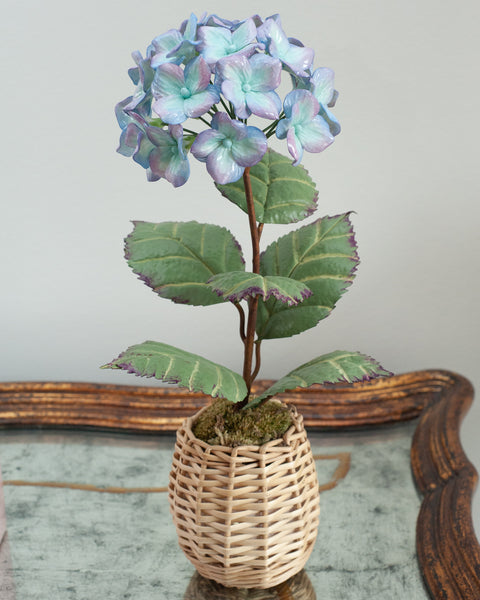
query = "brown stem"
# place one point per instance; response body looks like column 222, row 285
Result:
column 257, row 360
column 241, row 312
column 253, row 303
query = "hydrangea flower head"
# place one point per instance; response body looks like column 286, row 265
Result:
column 218, row 73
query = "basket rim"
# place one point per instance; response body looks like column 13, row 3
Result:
column 295, row 427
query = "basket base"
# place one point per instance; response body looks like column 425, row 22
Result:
column 298, row 587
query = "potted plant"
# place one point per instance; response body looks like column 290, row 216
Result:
column 243, row 488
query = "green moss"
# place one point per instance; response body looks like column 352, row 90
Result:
column 222, row 424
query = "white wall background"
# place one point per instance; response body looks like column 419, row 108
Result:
column 406, row 162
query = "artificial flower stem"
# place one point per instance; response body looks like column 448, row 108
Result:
column 270, row 127
column 225, row 106
column 253, row 303
column 204, row 121
column 257, row 359
column 241, row 312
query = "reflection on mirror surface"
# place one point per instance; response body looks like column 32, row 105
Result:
column 298, row 587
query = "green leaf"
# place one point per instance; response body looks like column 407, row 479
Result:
column 322, row 256
column 335, row 367
column 177, row 259
column 282, row 193
column 172, row 365
column 238, row 285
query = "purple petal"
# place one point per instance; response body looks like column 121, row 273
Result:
column 159, row 137
column 323, row 88
column 128, row 140
column 162, row 45
column 301, row 106
column 299, row 59
column 235, row 67
column 177, row 171
column 158, row 161
column 282, row 128
column 222, row 167
column 143, row 151
column 272, row 34
column 171, row 109
column 314, row 136
column 205, row 143
column 168, row 81
column 200, row 103
column 249, row 150
column 224, row 124
column 214, row 40
column 197, row 75
column 330, row 118
column 264, row 104
column 245, row 35
column 266, row 73
column 232, row 90
column 294, row 146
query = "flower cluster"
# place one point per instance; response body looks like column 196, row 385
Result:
column 219, row 73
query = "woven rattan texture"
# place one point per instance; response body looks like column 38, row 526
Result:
column 246, row 517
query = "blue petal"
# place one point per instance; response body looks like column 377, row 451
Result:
column 235, row 68
column 264, row 104
column 205, row 143
column 314, row 136
column 245, row 35
column 214, row 40
column 128, row 140
column 142, row 154
column 322, row 85
column 222, row 167
column 249, row 150
column 282, row 128
column 198, row 104
column 171, row 109
column 232, row 90
column 160, row 137
column 197, row 75
column 162, row 45
column 330, row 119
column 300, row 106
column 266, row 73
column 168, row 81
column 177, row 171
column 294, row 146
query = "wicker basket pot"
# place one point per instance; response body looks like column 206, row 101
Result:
column 246, row 517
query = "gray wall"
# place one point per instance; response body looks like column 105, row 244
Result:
column 406, row 163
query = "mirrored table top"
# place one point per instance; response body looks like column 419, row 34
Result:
column 87, row 517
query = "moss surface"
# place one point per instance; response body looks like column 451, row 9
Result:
column 222, row 424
